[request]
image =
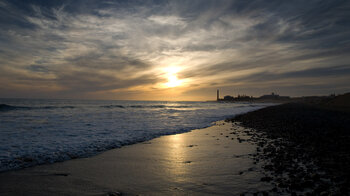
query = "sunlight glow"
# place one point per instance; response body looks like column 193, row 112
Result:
column 173, row 81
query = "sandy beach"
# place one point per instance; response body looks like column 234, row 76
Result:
column 212, row 161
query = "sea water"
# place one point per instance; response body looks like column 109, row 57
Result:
column 41, row 131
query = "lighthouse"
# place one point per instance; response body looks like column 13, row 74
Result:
column 217, row 95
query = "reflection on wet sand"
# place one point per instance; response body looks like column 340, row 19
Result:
column 176, row 163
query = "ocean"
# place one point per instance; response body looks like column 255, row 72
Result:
column 38, row 131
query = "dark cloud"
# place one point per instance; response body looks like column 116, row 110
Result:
column 336, row 71
column 38, row 68
column 319, row 24
column 107, row 62
column 82, row 81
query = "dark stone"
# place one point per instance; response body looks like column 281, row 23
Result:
column 114, row 194
column 302, row 133
column 266, row 179
column 61, row 174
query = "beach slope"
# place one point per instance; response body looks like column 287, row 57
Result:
column 215, row 160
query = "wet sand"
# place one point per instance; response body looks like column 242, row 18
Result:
column 213, row 161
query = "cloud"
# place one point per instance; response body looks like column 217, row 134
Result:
column 38, row 68
column 168, row 20
column 325, row 72
column 106, row 46
column 85, row 81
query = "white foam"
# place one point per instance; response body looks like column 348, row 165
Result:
column 49, row 132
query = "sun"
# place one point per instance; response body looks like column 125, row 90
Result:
column 171, row 75
column 173, row 81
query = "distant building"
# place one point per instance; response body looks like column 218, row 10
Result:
column 244, row 98
column 240, row 98
column 228, row 98
column 273, row 96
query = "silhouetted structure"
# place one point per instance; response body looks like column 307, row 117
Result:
column 245, row 98
column 217, row 95
column 273, row 96
column 228, row 98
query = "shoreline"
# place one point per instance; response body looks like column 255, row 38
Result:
column 288, row 149
column 33, row 134
column 205, row 161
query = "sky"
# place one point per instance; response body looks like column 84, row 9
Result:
column 173, row 50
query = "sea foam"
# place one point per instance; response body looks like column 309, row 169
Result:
column 36, row 132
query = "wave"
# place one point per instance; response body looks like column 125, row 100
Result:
column 5, row 107
column 54, row 107
column 112, row 106
column 144, row 106
column 181, row 106
column 83, row 134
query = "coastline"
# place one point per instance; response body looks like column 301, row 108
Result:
column 45, row 131
column 207, row 161
column 288, row 149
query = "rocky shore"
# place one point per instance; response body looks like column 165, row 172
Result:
column 304, row 149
